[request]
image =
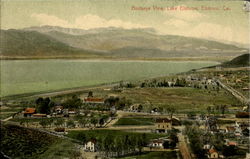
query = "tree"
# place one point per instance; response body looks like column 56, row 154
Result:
column 101, row 122
column 44, row 123
column 223, row 109
column 166, row 145
column 171, row 110
column 209, row 110
column 174, row 139
column 43, row 105
column 74, row 102
column 83, row 122
column 70, row 124
column 94, row 121
column 59, row 122
column 90, row 94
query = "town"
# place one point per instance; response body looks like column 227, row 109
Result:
column 197, row 114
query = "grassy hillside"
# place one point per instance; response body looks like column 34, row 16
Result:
column 31, row 43
column 24, row 143
column 240, row 61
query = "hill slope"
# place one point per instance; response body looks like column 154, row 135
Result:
column 32, row 43
column 240, row 61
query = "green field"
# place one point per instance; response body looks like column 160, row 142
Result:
column 155, row 155
column 134, row 121
column 29, row 76
column 184, row 99
column 101, row 134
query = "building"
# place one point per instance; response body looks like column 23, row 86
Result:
column 58, row 109
column 90, row 146
column 230, row 129
column 212, row 153
column 163, row 125
column 93, row 100
column 28, row 112
column 135, row 108
column 39, row 115
column 156, row 143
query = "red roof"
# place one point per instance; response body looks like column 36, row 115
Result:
column 232, row 143
column 163, row 120
column 91, row 99
column 29, row 110
column 212, row 151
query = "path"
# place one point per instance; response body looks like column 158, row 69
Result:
column 183, row 146
column 234, row 92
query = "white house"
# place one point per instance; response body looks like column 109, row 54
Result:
column 157, row 143
column 90, row 146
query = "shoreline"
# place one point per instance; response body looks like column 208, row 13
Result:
column 204, row 58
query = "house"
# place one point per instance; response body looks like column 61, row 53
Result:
column 212, row 153
column 162, row 125
column 154, row 111
column 58, row 109
column 230, row 129
column 72, row 111
column 207, row 147
column 156, row 143
column 93, row 100
column 231, row 143
column 90, row 146
column 28, row 112
column 135, row 108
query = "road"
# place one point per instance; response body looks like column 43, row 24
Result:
column 67, row 91
column 234, row 92
column 183, row 146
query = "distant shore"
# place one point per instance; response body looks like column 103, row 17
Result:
column 205, row 58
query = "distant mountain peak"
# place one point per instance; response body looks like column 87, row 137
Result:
column 77, row 31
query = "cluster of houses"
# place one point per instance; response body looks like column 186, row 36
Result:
column 55, row 111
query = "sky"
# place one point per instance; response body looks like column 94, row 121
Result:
column 224, row 21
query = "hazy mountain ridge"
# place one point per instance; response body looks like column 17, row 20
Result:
column 111, row 42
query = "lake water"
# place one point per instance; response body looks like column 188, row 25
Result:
column 26, row 76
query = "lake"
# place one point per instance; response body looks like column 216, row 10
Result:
column 27, row 76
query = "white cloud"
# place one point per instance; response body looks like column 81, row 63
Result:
column 176, row 23
column 186, row 15
column 215, row 31
column 88, row 21
column 45, row 19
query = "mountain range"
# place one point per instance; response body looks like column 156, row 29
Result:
column 111, row 42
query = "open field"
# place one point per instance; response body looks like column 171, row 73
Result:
column 134, row 121
column 183, row 99
column 29, row 76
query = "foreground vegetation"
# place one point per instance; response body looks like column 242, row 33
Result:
column 115, row 143
column 19, row 142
